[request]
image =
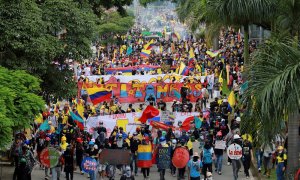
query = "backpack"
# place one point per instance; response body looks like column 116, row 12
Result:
column 207, row 156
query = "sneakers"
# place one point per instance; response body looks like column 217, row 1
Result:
column 247, row 177
column 259, row 170
column 220, row 173
column 228, row 163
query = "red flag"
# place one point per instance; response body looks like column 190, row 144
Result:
column 186, row 125
column 149, row 113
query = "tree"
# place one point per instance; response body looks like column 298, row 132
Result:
column 112, row 24
column 274, row 91
column 35, row 35
column 19, row 102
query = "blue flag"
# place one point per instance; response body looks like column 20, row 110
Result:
column 177, row 94
column 44, row 126
column 198, row 122
column 129, row 50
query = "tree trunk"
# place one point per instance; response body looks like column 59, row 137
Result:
column 246, row 45
column 293, row 143
column 216, row 42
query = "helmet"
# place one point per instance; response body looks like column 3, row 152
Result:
column 91, row 143
column 236, row 136
column 22, row 160
column 162, row 139
column 63, row 138
column 27, row 142
column 280, row 148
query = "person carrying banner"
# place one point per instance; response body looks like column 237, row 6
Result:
column 163, row 157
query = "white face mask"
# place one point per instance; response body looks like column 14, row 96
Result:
column 280, row 152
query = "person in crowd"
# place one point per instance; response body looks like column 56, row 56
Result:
column 268, row 151
column 281, row 162
column 236, row 164
column 69, row 163
column 194, row 167
column 134, row 143
column 247, row 156
column 219, row 154
column 208, row 156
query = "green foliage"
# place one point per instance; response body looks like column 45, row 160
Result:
column 273, row 85
column 19, row 101
column 113, row 23
column 33, row 35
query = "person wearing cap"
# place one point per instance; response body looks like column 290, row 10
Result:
column 208, row 156
column 134, row 143
column 173, row 147
column 281, row 162
column 69, row 163
column 163, row 144
column 122, row 133
column 219, row 154
column 236, row 164
column 194, row 167
column 79, row 153
column 92, row 152
column 102, row 133
column 247, row 156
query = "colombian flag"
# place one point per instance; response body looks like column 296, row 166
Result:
column 212, row 54
column 149, row 45
column 145, row 53
column 144, row 156
column 98, row 95
column 78, row 120
column 183, row 70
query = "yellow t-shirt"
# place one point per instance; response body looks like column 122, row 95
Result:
column 65, row 119
column 281, row 159
column 113, row 108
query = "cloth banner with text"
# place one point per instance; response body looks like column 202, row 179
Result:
column 139, row 92
column 129, row 121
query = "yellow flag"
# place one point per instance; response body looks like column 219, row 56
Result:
column 231, row 99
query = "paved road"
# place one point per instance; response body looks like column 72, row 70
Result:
column 38, row 174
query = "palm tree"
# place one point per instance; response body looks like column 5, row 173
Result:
column 289, row 17
column 195, row 14
column 243, row 13
column 274, row 89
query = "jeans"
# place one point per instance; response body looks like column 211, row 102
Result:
column 206, row 168
column 181, row 172
column 162, row 173
column 258, row 155
column 134, row 162
column 279, row 172
column 218, row 162
column 69, row 175
column 146, row 172
column 236, row 166
column 55, row 173
column 93, row 175
column 210, row 92
column 195, row 178
column 246, row 164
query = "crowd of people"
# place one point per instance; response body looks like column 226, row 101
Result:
column 222, row 123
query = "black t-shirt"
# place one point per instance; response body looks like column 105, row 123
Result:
column 247, row 148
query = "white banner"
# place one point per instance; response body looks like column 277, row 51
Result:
column 167, row 78
column 220, row 144
column 129, row 121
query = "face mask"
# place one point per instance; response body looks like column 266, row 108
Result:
column 279, row 152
